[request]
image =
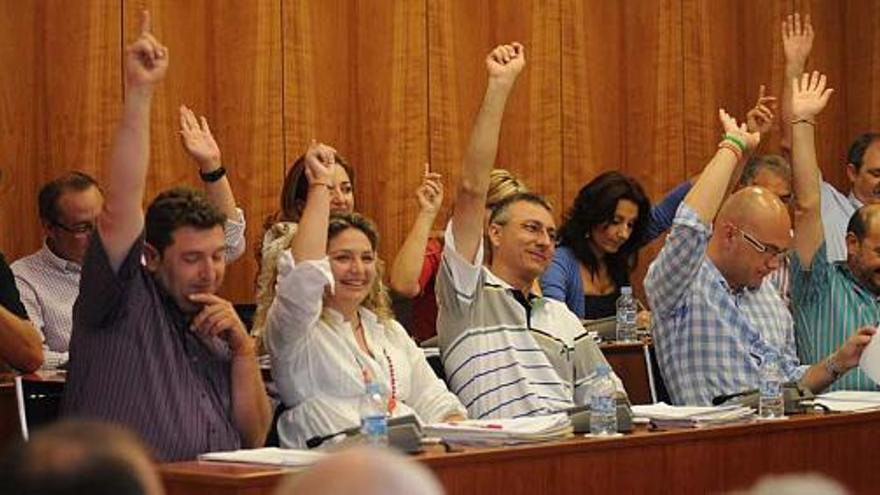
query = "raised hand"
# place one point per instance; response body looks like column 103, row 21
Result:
column 797, row 39
column 430, row 192
column 760, row 117
column 505, row 62
column 809, row 96
column 146, row 60
column 320, row 162
column 740, row 131
column 198, row 141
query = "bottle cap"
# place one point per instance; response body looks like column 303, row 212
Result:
column 627, row 290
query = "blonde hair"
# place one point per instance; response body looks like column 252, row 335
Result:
column 502, row 184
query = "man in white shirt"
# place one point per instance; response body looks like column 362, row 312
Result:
column 69, row 205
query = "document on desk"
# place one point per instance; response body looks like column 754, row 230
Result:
column 849, row 400
column 489, row 432
column 870, row 360
column 272, row 456
column 664, row 415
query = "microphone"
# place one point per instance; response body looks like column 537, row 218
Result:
column 318, row 440
column 721, row 399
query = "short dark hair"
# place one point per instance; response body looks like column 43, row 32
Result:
column 856, row 153
column 47, row 200
column 499, row 210
column 74, row 457
column 595, row 205
column 179, row 207
column 860, row 220
column 774, row 163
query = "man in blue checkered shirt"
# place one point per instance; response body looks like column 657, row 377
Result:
column 716, row 318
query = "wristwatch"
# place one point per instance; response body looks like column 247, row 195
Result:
column 214, row 175
column 832, row 367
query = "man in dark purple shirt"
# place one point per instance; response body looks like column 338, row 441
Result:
column 153, row 348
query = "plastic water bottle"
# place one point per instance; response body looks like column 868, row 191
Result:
column 374, row 417
column 626, row 315
column 771, row 404
column 603, row 406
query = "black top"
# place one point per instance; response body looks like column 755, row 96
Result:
column 596, row 307
column 9, row 296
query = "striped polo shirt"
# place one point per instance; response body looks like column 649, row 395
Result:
column 829, row 305
column 506, row 355
column 134, row 362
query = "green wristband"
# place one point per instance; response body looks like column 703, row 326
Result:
column 735, row 140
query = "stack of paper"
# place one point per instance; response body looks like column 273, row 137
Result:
column 502, row 431
column 849, row 400
column 665, row 416
column 272, row 456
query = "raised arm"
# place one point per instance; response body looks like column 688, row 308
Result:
column 809, row 97
column 503, row 64
column 310, row 242
column 797, row 43
column 760, row 118
column 407, row 267
column 709, row 191
column 122, row 221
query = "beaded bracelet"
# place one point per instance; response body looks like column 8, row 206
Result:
column 732, row 148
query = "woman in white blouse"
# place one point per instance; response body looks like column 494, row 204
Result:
column 330, row 325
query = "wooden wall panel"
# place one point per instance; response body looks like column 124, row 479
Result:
column 224, row 65
column 461, row 33
column 356, row 77
column 58, row 97
column 730, row 49
column 861, row 37
column 622, row 92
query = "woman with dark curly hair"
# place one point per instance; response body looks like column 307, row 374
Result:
column 610, row 220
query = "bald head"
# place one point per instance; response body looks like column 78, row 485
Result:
column 364, row 471
column 752, row 231
column 755, row 207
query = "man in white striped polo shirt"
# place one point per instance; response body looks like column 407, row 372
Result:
column 507, row 352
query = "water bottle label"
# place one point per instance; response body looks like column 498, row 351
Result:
column 374, row 426
column 602, row 404
column 771, row 388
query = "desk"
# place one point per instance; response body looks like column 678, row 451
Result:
column 628, row 362
column 683, row 461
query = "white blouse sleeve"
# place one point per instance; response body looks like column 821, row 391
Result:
column 298, row 302
column 429, row 396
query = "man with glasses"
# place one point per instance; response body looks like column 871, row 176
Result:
column 49, row 278
column 507, row 352
column 69, row 205
column 717, row 319
column 830, row 298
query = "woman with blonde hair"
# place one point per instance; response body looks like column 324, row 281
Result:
column 330, row 330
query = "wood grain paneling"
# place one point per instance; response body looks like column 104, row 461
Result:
column 730, row 49
column 224, row 65
column 59, row 96
column 461, row 33
column 356, row 77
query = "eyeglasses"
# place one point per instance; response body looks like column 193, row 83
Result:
column 760, row 247
column 76, row 229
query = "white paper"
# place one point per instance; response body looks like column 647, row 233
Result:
column 272, row 456
column 870, row 360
